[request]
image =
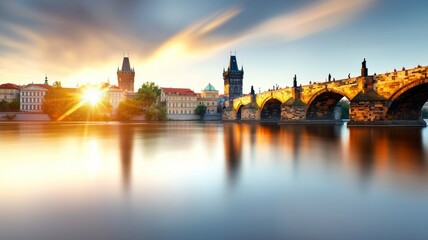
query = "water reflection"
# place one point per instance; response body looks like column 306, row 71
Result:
column 399, row 152
column 63, row 181
column 307, row 135
column 396, row 151
column 126, row 141
column 233, row 149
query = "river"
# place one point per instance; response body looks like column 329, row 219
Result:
column 190, row 180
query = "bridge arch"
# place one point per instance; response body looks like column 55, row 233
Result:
column 322, row 104
column 270, row 109
column 407, row 102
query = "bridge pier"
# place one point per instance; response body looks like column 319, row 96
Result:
column 229, row 115
column 293, row 112
column 250, row 114
column 367, row 108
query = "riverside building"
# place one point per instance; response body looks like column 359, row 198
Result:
column 9, row 92
column 180, row 103
column 32, row 95
column 209, row 97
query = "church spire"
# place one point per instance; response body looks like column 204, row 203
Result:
column 233, row 64
column 46, row 79
column 126, row 66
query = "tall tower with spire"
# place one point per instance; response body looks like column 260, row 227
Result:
column 126, row 75
column 233, row 79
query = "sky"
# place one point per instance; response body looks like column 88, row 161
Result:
column 187, row 43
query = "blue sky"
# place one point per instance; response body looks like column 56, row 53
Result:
column 187, row 43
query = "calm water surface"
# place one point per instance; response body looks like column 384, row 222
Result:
column 188, row 180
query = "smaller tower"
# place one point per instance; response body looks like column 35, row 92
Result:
column 125, row 76
column 46, row 80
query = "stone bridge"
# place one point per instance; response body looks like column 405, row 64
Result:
column 394, row 98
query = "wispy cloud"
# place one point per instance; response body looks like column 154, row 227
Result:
column 193, row 39
column 70, row 39
column 308, row 20
column 197, row 38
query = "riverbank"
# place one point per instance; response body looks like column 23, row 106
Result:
column 23, row 116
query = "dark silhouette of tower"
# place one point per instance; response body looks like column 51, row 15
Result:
column 125, row 76
column 233, row 79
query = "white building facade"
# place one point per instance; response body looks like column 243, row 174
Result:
column 180, row 103
column 31, row 97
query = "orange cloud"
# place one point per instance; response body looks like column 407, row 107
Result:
column 191, row 40
column 289, row 26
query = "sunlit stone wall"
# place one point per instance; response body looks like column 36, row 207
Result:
column 292, row 112
column 250, row 114
column 367, row 111
column 387, row 84
column 229, row 114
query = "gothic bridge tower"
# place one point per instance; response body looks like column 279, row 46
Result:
column 233, row 79
column 125, row 76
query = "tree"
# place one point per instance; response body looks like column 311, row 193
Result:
column 4, row 106
column 425, row 113
column 128, row 109
column 148, row 94
column 200, row 110
column 156, row 112
column 57, row 84
column 57, row 102
column 14, row 105
column 345, row 110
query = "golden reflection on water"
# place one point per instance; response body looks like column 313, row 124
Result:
column 395, row 153
column 233, row 148
column 41, row 152
column 176, row 172
column 126, row 139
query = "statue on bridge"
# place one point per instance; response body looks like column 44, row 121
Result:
column 252, row 90
column 295, row 81
column 364, row 70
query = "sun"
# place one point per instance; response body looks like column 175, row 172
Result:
column 92, row 95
